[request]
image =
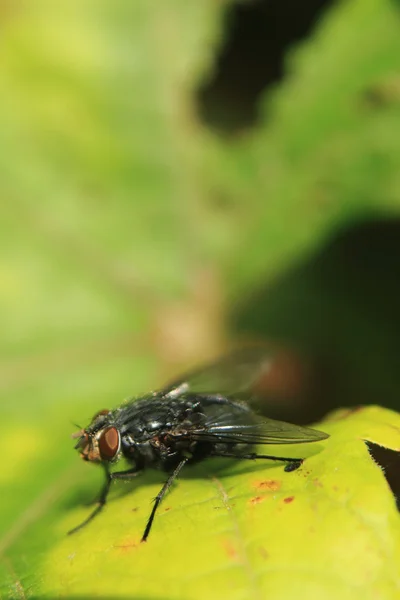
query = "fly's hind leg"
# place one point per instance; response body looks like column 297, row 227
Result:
column 293, row 463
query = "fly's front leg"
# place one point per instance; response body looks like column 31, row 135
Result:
column 129, row 474
column 100, row 503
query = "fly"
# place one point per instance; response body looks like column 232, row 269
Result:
column 201, row 415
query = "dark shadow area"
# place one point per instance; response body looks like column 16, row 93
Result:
column 87, row 495
column 199, row 471
column 337, row 315
column 389, row 461
column 205, row 470
column 250, row 59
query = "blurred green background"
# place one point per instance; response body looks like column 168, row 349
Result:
column 178, row 177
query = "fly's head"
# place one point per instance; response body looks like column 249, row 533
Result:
column 100, row 441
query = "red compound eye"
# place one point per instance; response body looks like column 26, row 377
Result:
column 109, row 443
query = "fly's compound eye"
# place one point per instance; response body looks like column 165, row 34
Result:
column 109, row 443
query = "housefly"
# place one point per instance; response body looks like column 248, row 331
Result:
column 201, row 415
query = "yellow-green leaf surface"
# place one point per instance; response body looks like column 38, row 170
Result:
column 249, row 529
column 117, row 263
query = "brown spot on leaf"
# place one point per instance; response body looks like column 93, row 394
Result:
column 230, row 550
column 268, row 484
column 288, row 500
column 263, row 552
column 256, row 500
column 126, row 546
column 317, row 482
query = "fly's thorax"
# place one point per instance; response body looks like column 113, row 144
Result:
column 101, row 441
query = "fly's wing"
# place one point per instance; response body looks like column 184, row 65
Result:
column 229, row 422
column 233, row 425
column 228, row 376
column 266, row 431
column 239, row 427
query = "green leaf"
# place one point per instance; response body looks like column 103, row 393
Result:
column 251, row 528
column 327, row 149
column 116, row 264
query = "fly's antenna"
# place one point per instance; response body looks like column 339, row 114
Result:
column 77, row 433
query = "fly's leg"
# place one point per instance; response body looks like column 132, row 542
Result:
column 129, row 474
column 160, row 496
column 104, row 493
column 100, row 503
column 293, row 463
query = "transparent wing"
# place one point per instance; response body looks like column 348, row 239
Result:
column 240, row 426
column 266, row 431
column 230, row 375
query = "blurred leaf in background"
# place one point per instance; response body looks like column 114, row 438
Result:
column 130, row 230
